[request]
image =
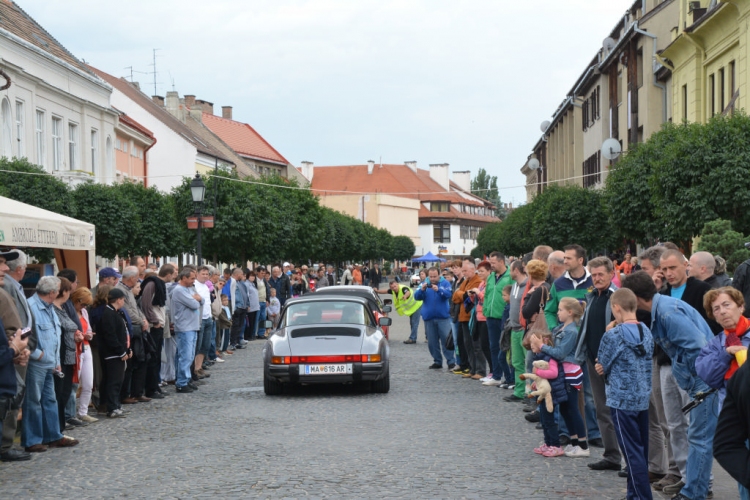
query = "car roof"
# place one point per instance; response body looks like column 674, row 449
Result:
column 348, row 290
column 315, row 297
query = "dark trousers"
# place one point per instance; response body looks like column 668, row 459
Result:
column 153, row 366
column 63, row 388
column 134, row 380
column 465, row 346
column 238, row 325
column 547, row 419
column 603, row 416
column 10, row 423
column 114, row 371
column 484, row 341
column 571, row 416
column 632, row 435
column 250, row 325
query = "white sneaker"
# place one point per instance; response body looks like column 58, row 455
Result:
column 511, row 387
column 568, row 448
column 491, row 381
column 485, row 379
column 578, row 452
column 219, row 360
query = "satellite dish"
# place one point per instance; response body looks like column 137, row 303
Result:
column 608, row 44
column 611, row 149
column 533, row 164
column 545, row 125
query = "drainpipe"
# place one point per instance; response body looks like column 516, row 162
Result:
column 656, row 82
column 145, row 163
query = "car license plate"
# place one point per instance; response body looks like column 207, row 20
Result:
column 326, row 369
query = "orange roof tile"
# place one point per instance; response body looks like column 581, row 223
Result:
column 243, row 139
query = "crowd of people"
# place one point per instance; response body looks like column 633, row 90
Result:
column 603, row 355
column 68, row 353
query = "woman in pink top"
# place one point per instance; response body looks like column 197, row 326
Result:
column 480, row 328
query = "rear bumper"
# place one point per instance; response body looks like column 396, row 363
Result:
column 361, row 372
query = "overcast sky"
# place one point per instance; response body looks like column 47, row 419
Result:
column 341, row 82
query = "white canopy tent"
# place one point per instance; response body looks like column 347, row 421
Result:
column 73, row 241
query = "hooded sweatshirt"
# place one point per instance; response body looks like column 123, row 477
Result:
column 625, row 354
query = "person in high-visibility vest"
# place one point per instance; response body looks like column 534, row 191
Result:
column 406, row 305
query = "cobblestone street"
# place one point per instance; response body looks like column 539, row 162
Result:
column 435, row 435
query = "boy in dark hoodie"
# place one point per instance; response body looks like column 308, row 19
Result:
column 624, row 360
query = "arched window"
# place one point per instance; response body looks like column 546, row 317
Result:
column 7, row 129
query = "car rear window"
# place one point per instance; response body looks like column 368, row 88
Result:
column 334, row 331
column 327, row 313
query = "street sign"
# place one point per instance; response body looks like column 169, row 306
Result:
column 207, row 221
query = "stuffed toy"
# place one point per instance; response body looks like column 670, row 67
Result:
column 543, row 389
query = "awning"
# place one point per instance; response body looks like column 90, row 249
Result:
column 73, row 241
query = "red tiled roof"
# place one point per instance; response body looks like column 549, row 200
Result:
column 243, row 139
column 398, row 180
column 127, row 120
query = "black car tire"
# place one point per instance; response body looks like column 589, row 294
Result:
column 383, row 385
column 271, row 386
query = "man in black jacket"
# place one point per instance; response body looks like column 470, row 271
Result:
column 733, row 430
column 112, row 332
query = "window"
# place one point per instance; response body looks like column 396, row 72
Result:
column 118, row 144
column 39, row 130
column 722, row 95
column 592, row 170
column 57, row 145
column 73, row 145
column 639, row 68
column 7, row 129
column 20, row 134
column 94, row 151
column 110, row 156
column 124, row 147
column 712, row 95
column 440, row 206
column 469, row 232
column 441, row 233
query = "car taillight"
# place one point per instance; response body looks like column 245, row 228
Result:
column 343, row 358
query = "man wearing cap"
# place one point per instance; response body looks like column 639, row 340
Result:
column 107, row 276
column 10, row 315
column 288, row 268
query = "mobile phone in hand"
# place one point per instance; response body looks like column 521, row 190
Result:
column 25, row 333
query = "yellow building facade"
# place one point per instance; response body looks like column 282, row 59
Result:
column 709, row 59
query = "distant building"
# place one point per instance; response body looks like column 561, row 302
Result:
column 56, row 112
column 439, row 215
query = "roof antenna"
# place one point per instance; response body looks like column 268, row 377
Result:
column 381, row 161
column 154, row 71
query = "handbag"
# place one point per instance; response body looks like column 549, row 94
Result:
column 537, row 325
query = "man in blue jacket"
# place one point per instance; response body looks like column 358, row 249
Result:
column 435, row 295
column 681, row 332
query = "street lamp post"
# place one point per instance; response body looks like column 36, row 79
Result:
column 198, row 191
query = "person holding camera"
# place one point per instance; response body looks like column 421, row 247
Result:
column 435, row 295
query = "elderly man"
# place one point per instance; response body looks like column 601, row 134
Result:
column 475, row 364
column 185, row 311
column 41, row 425
column 556, row 265
column 701, row 266
column 346, row 276
column 134, row 381
column 15, row 315
column 238, row 303
column 682, row 332
column 281, row 283
column 330, row 276
column 153, row 305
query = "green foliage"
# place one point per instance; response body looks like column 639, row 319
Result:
column 35, row 186
column 718, row 237
column 403, row 248
column 512, row 236
column 485, row 186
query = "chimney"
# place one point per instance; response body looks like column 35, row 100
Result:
column 463, row 179
column 136, row 85
column 226, row 112
column 158, row 100
column 307, row 168
column 196, row 113
column 412, row 165
column 370, row 166
column 439, row 174
column 190, row 101
column 207, row 107
column 174, row 106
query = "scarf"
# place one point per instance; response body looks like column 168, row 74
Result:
column 160, row 290
column 732, row 339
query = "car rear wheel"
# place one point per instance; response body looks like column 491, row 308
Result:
column 383, row 385
column 271, row 386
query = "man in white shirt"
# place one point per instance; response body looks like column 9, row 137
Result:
column 203, row 342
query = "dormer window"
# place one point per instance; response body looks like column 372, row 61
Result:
column 440, row 206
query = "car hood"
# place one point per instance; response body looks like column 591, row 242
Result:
column 310, row 340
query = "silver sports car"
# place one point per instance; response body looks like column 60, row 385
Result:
column 327, row 339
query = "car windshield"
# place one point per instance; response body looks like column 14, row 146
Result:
column 328, row 313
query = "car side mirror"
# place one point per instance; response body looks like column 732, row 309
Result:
column 268, row 325
column 387, row 309
column 388, row 301
column 385, row 321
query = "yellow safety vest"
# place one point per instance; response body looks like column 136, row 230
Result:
column 405, row 307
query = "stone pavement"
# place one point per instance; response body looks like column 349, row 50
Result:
column 435, row 435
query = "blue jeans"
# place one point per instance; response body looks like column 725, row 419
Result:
column 184, row 357
column 70, row 407
column 744, row 492
column 212, row 347
column 701, row 443
column 500, row 366
column 203, row 342
column 414, row 323
column 589, row 408
column 40, row 419
column 437, row 331
column 551, row 434
column 455, row 327
column 260, row 319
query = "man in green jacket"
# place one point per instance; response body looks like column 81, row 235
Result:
column 493, row 308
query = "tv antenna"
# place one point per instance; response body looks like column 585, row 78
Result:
column 130, row 68
column 611, row 149
column 154, row 72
